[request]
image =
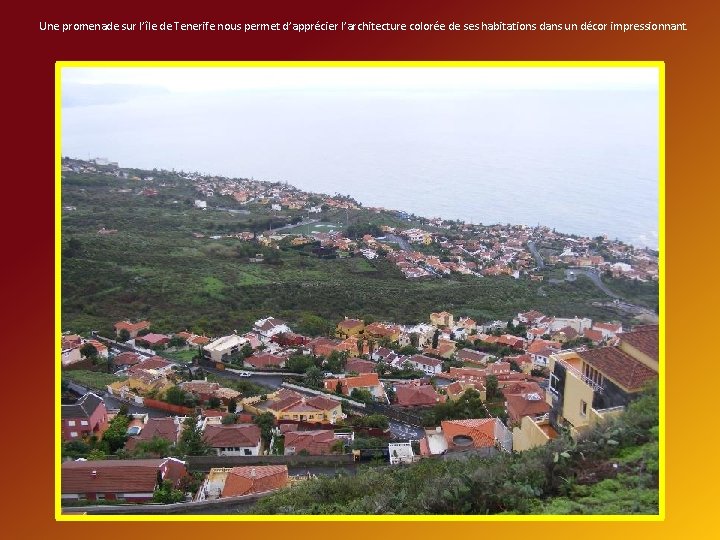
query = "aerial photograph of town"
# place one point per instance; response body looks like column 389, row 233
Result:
column 359, row 291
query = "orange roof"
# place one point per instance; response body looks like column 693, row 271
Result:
column 361, row 381
column 593, row 335
column 411, row 395
column 255, row 479
column 620, row 367
column 350, row 323
column 480, row 430
column 322, row 403
column 127, row 325
column 643, row 338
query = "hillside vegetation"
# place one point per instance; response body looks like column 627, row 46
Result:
column 154, row 267
column 613, row 470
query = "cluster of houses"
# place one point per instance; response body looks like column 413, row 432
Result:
column 544, row 388
column 488, row 250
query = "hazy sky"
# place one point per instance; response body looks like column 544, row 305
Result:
column 443, row 79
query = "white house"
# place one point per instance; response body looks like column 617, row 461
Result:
column 233, row 439
column 223, row 348
column 427, row 364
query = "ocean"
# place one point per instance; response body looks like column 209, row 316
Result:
column 579, row 161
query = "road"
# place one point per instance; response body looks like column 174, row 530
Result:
column 595, row 278
column 401, row 430
column 404, row 244
column 273, row 381
column 536, row 254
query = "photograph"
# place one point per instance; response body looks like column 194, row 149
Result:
column 377, row 290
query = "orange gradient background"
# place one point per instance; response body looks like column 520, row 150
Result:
column 691, row 252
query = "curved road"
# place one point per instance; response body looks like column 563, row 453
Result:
column 595, row 278
column 536, row 254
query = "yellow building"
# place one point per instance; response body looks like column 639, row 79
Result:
column 350, row 327
column 590, row 386
column 441, row 319
column 531, row 434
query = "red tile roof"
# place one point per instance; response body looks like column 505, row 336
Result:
column 529, row 404
column 115, row 476
column 242, row 435
column 322, row 403
column 365, row 380
column 265, row 360
column 359, row 365
column 621, row 368
column 469, row 355
column 593, row 335
column 350, row 323
column 285, row 402
column 130, row 327
column 413, row 395
column 164, row 428
column 255, row 479
column 316, row 442
column 126, row 359
column 481, row 431
column 644, row 339
column 153, row 339
column 155, row 362
column 425, row 360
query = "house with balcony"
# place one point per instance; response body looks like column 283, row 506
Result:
column 589, row 386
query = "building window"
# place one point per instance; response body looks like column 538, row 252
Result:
column 83, row 422
column 73, row 434
column 248, row 452
column 583, row 407
column 554, row 383
column 100, row 497
column 71, row 423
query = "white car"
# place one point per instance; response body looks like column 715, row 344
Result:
column 245, row 374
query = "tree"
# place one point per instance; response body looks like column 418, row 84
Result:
column 88, row 350
column 214, row 402
column 361, row 394
column 73, row 248
column 415, row 340
column 314, row 325
column 435, row 338
column 177, row 341
column 299, row 363
column 232, row 405
column 96, row 454
column 124, row 335
column 165, row 493
column 338, row 447
column 266, row 423
column 229, row 419
column 336, row 362
column 339, row 387
column 115, row 435
column 157, row 446
column 491, row 387
column 191, row 441
column 175, row 395
column 314, row 377
column 246, row 350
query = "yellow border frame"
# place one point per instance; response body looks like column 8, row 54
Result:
column 659, row 65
